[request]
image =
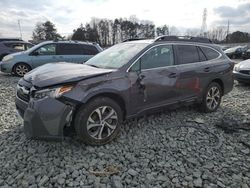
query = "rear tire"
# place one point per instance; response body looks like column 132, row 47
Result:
column 211, row 98
column 21, row 69
column 99, row 121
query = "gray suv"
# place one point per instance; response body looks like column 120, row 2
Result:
column 125, row 81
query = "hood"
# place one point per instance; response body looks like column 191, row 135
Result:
column 244, row 65
column 58, row 73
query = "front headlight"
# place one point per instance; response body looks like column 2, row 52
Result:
column 7, row 58
column 237, row 68
column 53, row 93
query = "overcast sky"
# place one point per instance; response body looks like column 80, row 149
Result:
column 68, row 14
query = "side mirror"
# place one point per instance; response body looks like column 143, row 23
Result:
column 36, row 53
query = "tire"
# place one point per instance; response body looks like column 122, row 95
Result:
column 21, row 69
column 210, row 105
column 90, row 124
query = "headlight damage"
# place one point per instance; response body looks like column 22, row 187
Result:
column 53, row 93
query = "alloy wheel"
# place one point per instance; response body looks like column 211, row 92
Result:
column 213, row 98
column 102, row 122
column 21, row 70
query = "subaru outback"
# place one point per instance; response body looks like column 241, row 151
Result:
column 125, row 81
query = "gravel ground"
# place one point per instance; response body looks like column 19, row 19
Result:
column 154, row 151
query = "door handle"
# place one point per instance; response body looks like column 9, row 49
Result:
column 207, row 69
column 172, row 75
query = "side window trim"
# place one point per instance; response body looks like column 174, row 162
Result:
column 200, row 50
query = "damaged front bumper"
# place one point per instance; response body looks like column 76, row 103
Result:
column 44, row 118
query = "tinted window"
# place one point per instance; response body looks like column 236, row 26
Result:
column 187, row 54
column 201, row 55
column 209, row 53
column 89, row 50
column 160, row 56
column 76, row 49
column 49, row 49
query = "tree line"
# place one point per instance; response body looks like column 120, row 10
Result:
column 108, row 32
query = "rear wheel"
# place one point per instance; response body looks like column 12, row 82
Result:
column 98, row 122
column 21, row 69
column 212, row 98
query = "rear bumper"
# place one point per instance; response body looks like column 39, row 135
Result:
column 45, row 118
column 241, row 77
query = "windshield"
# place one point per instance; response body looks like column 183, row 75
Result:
column 116, row 56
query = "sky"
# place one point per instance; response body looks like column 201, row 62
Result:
column 67, row 15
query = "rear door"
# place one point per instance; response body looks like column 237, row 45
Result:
column 155, row 85
column 191, row 71
column 74, row 53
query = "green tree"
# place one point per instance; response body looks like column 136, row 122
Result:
column 45, row 31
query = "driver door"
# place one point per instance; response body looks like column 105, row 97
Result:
column 44, row 54
column 154, row 85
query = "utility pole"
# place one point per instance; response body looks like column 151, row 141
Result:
column 19, row 25
column 227, row 30
column 203, row 32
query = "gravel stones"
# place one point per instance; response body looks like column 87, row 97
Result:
column 150, row 152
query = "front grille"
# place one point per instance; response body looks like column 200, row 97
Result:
column 245, row 72
column 23, row 93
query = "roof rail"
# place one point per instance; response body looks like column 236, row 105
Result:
column 133, row 39
column 182, row 38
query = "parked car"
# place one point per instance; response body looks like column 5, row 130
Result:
column 125, row 81
column 8, row 47
column 48, row 52
column 246, row 54
column 234, row 52
column 10, row 39
column 242, row 71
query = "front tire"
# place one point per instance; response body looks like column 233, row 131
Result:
column 21, row 69
column 212, row 98
column 99, row 121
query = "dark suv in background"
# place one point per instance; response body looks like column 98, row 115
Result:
column 124, row 81
column 9, row 47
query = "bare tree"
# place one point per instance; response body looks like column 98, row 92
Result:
column 217, row 33
column 173, row 31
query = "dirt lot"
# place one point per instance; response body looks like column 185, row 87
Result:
column 154, row 151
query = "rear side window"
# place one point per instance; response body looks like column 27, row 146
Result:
column 76, row 49
column 89, row 50
column 210, row 53
column 201, row 55
column 187, row 54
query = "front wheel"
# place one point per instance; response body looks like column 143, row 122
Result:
column 98, row 122
column 212, row 98
column 21, row 69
